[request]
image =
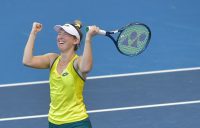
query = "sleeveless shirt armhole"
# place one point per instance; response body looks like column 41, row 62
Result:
column 53, row 63
column 78, row 71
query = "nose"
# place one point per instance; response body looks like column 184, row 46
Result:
column 59, row 36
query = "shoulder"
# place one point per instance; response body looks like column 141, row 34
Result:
column 77, row 69
column 52, row 57
column 78, row 59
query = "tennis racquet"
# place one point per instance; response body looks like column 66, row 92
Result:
column 132, row 39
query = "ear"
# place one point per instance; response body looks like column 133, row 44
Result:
column 77, row 41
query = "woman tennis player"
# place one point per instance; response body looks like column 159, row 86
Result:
column 67, row 73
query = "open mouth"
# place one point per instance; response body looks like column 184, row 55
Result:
column 61, row 42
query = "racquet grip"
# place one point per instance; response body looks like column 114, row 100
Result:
column 101, row 32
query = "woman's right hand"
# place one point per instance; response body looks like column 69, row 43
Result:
column 36, row 27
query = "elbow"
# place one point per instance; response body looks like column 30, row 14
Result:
column 26, row 63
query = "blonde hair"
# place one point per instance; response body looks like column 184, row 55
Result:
column 78, row 25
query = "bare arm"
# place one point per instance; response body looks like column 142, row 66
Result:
column 86, row 60
column 43, row 61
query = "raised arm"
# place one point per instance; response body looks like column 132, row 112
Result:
column 86, row 60
column 42, row 61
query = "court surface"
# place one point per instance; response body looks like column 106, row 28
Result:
column 168, row 98
column 157, row 89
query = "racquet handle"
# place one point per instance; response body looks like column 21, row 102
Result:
column 101, row 32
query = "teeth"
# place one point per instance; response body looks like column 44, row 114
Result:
column 61, row 42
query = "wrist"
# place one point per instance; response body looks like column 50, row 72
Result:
column 88, row 37
column 33, row 33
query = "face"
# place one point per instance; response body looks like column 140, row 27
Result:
column 66, row 41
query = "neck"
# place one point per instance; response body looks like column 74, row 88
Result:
column 66, row 56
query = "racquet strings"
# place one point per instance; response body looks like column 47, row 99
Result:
column 133, row 39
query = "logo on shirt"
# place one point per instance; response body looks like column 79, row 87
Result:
column 65, row 74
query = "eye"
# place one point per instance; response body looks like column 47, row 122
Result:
column 59, row 34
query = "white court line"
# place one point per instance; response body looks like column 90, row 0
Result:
column 110, row 110
column 107, row 76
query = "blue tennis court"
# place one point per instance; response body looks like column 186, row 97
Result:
column 157, row 89
column 166, row 99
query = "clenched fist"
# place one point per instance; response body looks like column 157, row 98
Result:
column 36, row 27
